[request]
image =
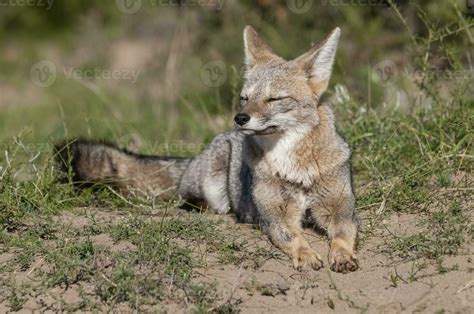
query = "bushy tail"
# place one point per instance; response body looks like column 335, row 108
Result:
column 92, row 162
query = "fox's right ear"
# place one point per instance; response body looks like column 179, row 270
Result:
column 318, row 62
column 256, row 50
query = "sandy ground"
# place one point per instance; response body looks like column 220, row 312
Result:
column 371, row 288
column 268, row 283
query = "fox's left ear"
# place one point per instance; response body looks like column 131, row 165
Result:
column 256, row 49
column 318, row 62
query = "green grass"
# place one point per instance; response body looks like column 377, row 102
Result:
column 442, row 233
column 159, row 266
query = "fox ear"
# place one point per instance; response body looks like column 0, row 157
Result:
column 256, row 50
column 318, row 62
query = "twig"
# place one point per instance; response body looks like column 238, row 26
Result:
column 108, row 280
column 466, row 286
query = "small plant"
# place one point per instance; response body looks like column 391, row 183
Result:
column 17, row 296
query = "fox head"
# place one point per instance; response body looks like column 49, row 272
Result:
column 279, row 95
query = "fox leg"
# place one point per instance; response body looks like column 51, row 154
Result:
column 342, row 230
column 281, row 218
column 335, row 211
column 294, row 244
column 342, row 234
column 286, row 234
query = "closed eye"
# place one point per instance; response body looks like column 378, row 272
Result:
column 271, row 99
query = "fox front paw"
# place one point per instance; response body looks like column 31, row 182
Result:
column 304, row 257
column 344, row 263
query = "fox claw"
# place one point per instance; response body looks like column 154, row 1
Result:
column 343, row 263
column 307, row 257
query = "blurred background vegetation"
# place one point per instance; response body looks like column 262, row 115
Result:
column 398, row 55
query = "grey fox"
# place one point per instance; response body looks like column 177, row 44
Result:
column 283, row 165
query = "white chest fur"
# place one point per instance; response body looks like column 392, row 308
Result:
column 282, row 159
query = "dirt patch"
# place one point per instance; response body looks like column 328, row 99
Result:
column 379, row 286
column 259, row 278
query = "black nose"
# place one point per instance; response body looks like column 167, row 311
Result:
column 242, row 118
